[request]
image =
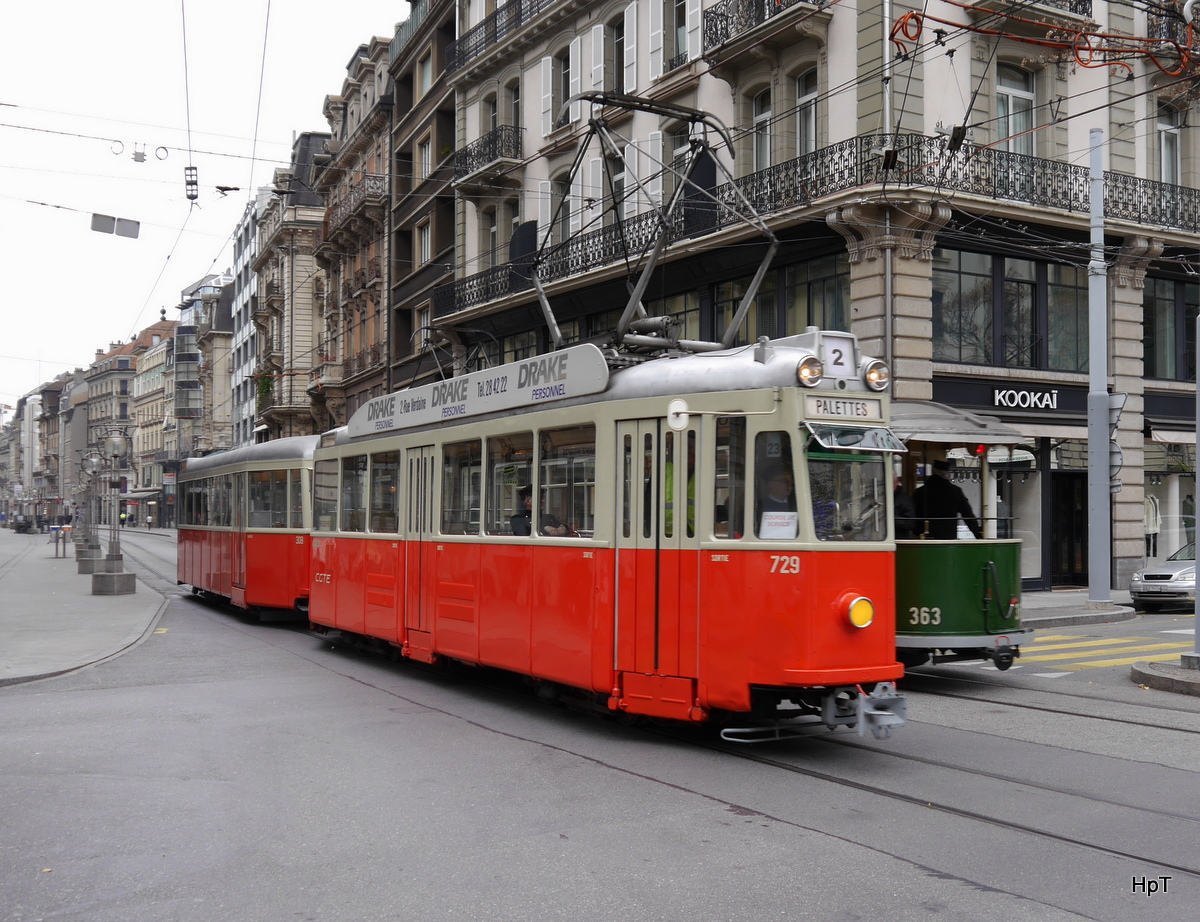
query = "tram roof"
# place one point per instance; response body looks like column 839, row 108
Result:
column 927, row 421
column 295, row 448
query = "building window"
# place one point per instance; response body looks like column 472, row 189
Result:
column 806, row 113
column 491, row 240
column 1011, row 313
column 491, row 114
column 562, row 214
column 424, row 76
column 424, row 163
column 1014, row 110
column 614, row 66
column 562, row 86
column 514, row 103
column 761, row 122
column 1168, row 144
column 678, row 33
column 1169, row 329
column 424, row 243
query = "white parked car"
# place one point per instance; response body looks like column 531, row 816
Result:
column 1170, row 583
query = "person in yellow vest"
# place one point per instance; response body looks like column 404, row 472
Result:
column 669, row 493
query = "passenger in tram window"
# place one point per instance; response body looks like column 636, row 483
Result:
column 939, row 504
column 521, row 522
column 777, row 516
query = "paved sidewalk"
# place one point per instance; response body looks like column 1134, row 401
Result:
column 50, row 622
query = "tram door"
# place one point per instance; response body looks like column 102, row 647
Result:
column 656, row 616
column 239, row 532
column 420, row 562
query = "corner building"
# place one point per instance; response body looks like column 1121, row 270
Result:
column 929, row 194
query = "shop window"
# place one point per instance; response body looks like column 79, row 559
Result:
column 1012, row 313
column 1169, row 329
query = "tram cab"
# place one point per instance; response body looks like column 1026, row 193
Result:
column 958, row 596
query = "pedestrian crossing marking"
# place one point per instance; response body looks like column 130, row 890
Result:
column 1144, row 648
column 1191, row 632
column 1098, row 664
column 1108, row 642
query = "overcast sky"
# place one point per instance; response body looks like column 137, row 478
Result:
column 100, row 83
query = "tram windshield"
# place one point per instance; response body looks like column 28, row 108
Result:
column 849, row 494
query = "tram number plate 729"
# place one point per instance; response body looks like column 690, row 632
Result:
column 930, row 615
column 785, row 564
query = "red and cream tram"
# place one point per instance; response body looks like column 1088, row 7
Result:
column 244, row 525
column 691, row 537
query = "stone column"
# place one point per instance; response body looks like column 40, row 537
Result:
column 1127, row 279
column 907, row 229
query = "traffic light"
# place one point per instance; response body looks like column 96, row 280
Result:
column 1116, row 403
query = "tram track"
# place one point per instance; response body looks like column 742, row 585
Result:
column 702, row 739
column 911, row 686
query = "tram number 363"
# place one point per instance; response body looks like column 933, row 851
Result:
column 925, row 615
column 784, row 564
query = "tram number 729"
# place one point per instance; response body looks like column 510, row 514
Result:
column 930, row 615
column 785, row 564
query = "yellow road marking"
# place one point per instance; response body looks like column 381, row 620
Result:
column 1121, row 661
column 1112, row 641
column 1145, row 648
column 1041, row 638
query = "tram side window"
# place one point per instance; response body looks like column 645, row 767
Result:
column 509, row 468
column 567, row 460
column 296, row 492
column 849, row 495
column 354, row 493
column 385, row 492
column 774, row 487
column 224, row 516
column 461, row 487
column 268, row 499
column 200, row 502
column 729, row 511
column 325, row 478
column 688, row 475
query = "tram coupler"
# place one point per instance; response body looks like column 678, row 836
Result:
column 881, row 710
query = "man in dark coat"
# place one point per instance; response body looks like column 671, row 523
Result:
column 940, row 502
column 905, row 513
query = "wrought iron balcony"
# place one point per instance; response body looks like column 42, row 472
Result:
column 848, row 166
column 407, row 29
column 507, row 20
column 372, row 189
column 727, row 20
column 502, row 143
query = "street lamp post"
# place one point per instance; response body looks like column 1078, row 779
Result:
column 114, row 581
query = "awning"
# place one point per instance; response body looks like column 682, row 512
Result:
column 926, row 421
column 1051, row 431
column 1172, row 436
column 140, row 494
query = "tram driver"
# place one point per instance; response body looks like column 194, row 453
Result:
column 777, row 503
column 522, row 521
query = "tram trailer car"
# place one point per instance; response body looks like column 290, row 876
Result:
column 245, row 523
column 701, row 537
column 959, row 600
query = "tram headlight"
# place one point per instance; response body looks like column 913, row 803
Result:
column 876, row 375
column 861, row 611
column 810, row 371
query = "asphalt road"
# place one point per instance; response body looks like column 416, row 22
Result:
column 229, row 770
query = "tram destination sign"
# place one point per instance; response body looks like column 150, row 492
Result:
column 573, row 372
column 845, row 407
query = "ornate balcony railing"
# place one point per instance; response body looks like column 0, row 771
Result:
column 408, row 28
column 497, row 27
column 501, row 143
column 857, row 163
column 372, row 186
column 1167, row 26
column 729, row 19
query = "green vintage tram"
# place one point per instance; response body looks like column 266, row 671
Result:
column 956, row 598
